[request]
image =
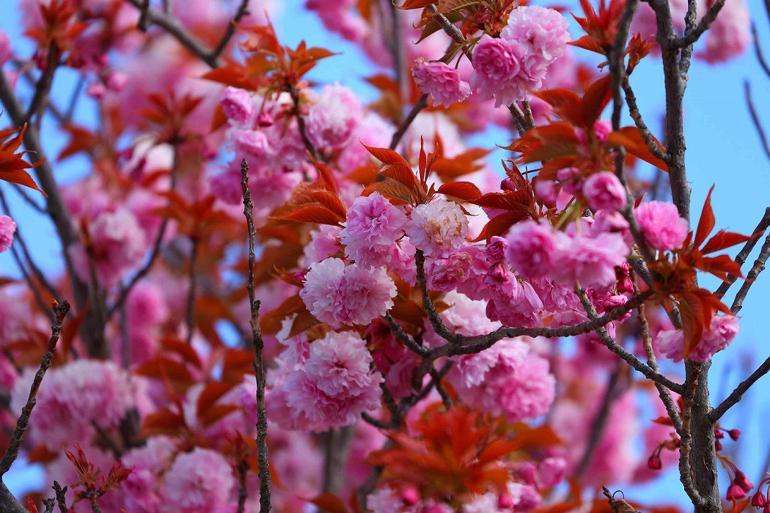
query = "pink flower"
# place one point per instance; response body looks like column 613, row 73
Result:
column 7, row 229
column 5, row 47
column 199, row 481
column 497, row 71
column 441, row 81
column 661, row 225
column 722, row 330
column 373, row 225
column 250, row 144
column 118, row 245
column 333, row 118
column 237, row 105
column 730, row 33
column 590, row 261
column 437, row 227
column 543, row 33
column 603, row 191
column 323, row 244
column 146, row 306
column 330, row 388
column 74, row 398
column 344, row 295
column 532, row 248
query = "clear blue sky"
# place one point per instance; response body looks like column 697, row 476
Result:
column 723, row 148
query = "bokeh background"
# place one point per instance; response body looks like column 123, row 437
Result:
column 723, row 149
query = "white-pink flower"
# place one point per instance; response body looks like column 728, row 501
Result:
column 437, row 227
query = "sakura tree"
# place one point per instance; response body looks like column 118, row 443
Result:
column 275, row 294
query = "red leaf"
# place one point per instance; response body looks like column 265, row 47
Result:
column 706, row 222
column 312, row 214
column 723, row 240
column 464, row 190
column 329, row 503
column 498, row 225
column 631, row 139
column 388, row 156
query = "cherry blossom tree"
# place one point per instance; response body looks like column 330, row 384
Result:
column 275, row 294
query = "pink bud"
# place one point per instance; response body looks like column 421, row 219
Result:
column 654, row 462
column 505, row 501
column 410, row 495
column 735, row 492
column 264, row 120
column 759, row 500
column 742, row 481
column 735, row 434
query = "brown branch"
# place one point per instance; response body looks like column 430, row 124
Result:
column 179, row 32
column 336, row 443
column 758, row 50
column 736, row 395
column 691, row 36
column 192, row 290
column 636, row 115
column 230, row 30
column 599, row 424
column 755, row 118
column 36, row 271
column 460, row 344
column 8, row 503
column 756, row 269
column 421, row 103
column 675, row 85
column 43, row 85
column 258, row 343
column 60, row 312
column 616, row 348
column 744, row 253
column 663, row 393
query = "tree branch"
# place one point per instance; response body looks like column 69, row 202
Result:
column 60, row 312
column 755, row 118
column 258, row 343
column 744, row 253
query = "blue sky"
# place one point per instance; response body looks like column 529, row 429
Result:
column 723, row 148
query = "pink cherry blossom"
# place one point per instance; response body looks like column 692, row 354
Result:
column 603, row 191
column 373, row 225
column 497, row 71
column 237, row 105
column 441, row 81
column 722, row 330
column 532, row 247
column 7, row 229
column 661, row 225
column 199, row 481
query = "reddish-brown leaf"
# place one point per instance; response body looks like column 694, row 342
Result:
column 465, row 191
column 706, row 222
column 723, row 240
column 312, row 214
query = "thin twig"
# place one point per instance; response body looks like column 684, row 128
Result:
column 173, row 27
column 192, row 289
column 755, row 118
column 60, row 312
column 744, row 253
column 735, row 396
column 703, row 25
column 256, row 337
column 636, row 115
column 230, row 30
column 600, row 423
column 43, row 86
column 419, row 105
column 756, row 269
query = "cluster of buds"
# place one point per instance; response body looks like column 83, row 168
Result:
column 740, row 485
column 719, row 434
column 762, row 499
column 672, row 444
